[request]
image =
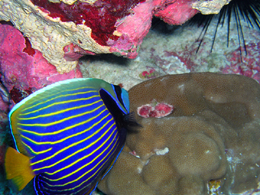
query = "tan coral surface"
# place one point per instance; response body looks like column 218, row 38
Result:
column 209, row 7
column 49, row 35
column 213, row 134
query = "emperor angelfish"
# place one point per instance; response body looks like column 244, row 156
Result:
column 67, row 136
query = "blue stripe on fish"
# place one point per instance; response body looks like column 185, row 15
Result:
column 72, row 131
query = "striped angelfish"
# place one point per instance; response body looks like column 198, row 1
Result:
column 67, row 136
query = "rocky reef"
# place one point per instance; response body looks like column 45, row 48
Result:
column 212, row 136
column 65, row 30
column 200, row 131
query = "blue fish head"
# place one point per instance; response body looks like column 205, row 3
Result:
column 125, row 99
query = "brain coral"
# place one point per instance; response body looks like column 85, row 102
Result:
column 212, row 135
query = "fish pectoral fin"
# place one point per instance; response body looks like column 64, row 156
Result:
column 18, row 169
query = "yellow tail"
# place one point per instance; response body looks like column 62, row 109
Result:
column 17, row 168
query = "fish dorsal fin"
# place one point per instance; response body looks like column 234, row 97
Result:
column 17, row 167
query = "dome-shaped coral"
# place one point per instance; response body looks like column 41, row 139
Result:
column 212, row 134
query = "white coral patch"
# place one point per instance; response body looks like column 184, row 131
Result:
column 89, row 1
column 70, row 2
column 175, row 65
column 161, row 151
column 209, row 7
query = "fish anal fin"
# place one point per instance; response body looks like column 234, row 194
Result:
column 88, row 191
column 18, row 169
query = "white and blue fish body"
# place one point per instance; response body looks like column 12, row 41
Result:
column 72, row 131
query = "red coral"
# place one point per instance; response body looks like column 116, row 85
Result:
column 100, row 17
column 17, row 95
column 164, row 108
column 144, row 110
column 155, row 109
column 28, row 49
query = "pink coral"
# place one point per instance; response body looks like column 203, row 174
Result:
column 25, row 68
column 74, row 52
column 133, row 28
column 155, row 109
column 176, row 12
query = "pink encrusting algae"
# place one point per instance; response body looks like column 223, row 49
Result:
column 247, row 65
column 150, row 73
column 155, row 109
column 23, row 68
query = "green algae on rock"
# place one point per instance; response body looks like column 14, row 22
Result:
column 213, row 134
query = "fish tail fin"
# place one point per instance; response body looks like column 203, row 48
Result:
column 17, row 167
